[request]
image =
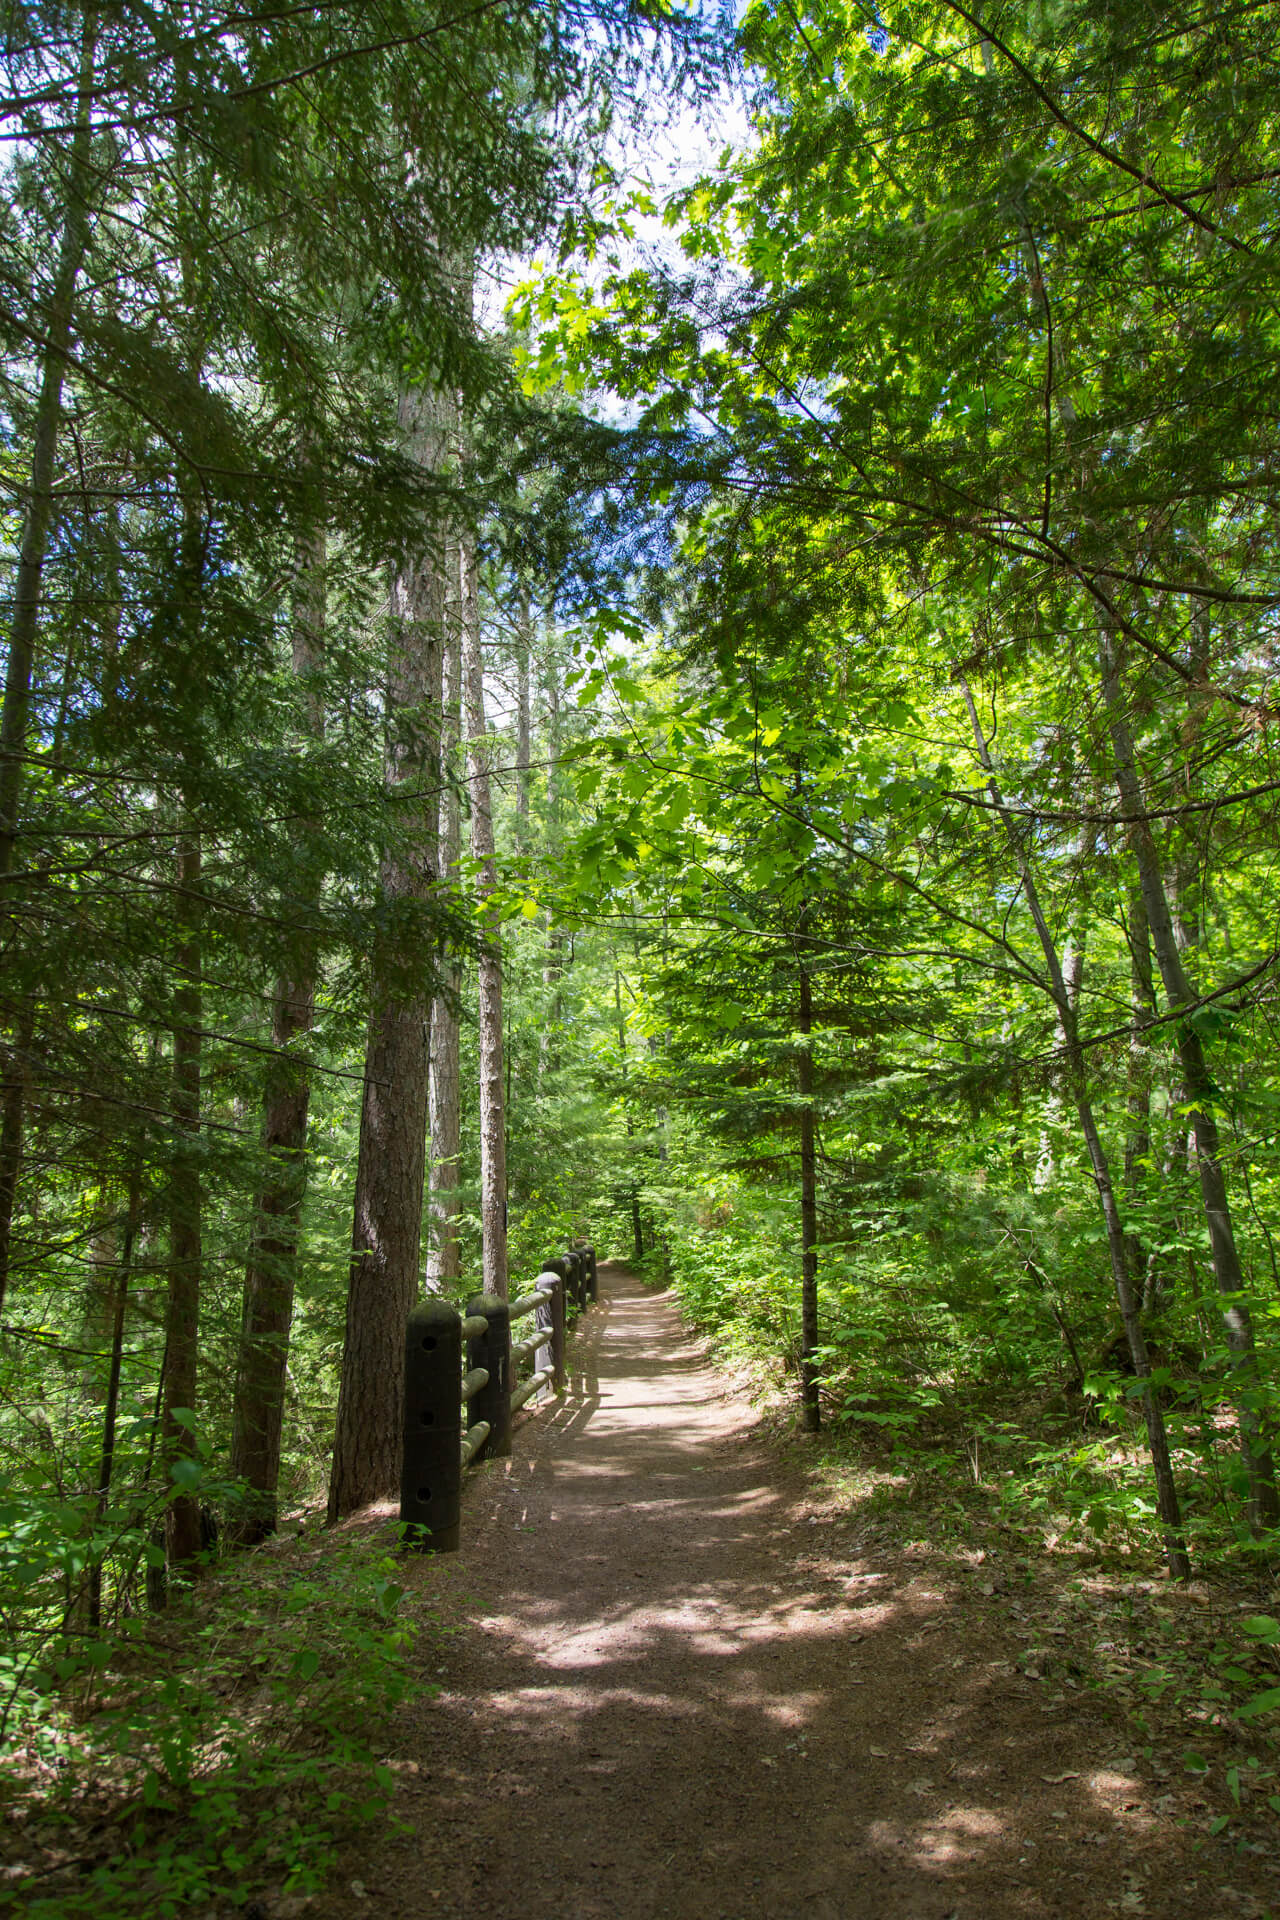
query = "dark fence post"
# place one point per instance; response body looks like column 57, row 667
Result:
column 431, row 1474
column 593, row 1277
column 551, row 1317
column 492, row 1350
column 558, row 1265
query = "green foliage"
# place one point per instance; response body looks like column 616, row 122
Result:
column 549, row 1222
column 231, row 1745
column 949, row 464
column 943, row 1347
column 725, row 1254
column 965, row 567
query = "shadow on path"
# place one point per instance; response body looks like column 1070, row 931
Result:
column 674, row 1694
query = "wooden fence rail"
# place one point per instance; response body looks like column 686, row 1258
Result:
column 462, row 1386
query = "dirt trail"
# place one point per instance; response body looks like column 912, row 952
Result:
column 677, row 1693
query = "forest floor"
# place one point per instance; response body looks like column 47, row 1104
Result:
column 672, row 1674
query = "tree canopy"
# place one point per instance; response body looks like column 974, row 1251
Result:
column 758, row 744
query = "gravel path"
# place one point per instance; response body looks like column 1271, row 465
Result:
column 679, row 1686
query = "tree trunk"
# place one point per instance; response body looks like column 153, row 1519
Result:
column 38, row 512
column 1157, row 1439
column 99, row 1296
column 553, row 964
column 182, row 1309
column 637, row 1227
column 493, row 1153
column 523, row 726
column 272, row 1265
column 1137, row 1146
column 810, row 1409
column 271, row 1270
column 13, row 1109
column 106, row 1464
column 33, row 545
column 1255, row 1436
column 444, row 1249
column 386, row 1237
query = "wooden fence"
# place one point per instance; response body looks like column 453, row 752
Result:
column 463, row 1384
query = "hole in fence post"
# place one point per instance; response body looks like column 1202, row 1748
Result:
column 492, row 1351
column 431, row 1469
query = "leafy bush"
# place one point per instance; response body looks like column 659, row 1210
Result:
column 265, row 1690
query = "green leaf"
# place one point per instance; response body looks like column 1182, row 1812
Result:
column 1266, row 1702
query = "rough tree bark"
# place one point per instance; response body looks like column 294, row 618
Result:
column 523, row 724
column 444, row 1250
column 38, row 511
column 493, row 1152
column 386, row 1236
column 186, row 1195
column 13, row 1111
column 182, row 1304
column 33, row 543
column 553, row 963
column 271, row 1270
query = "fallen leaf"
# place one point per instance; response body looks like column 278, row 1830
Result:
column 1056, row 1779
